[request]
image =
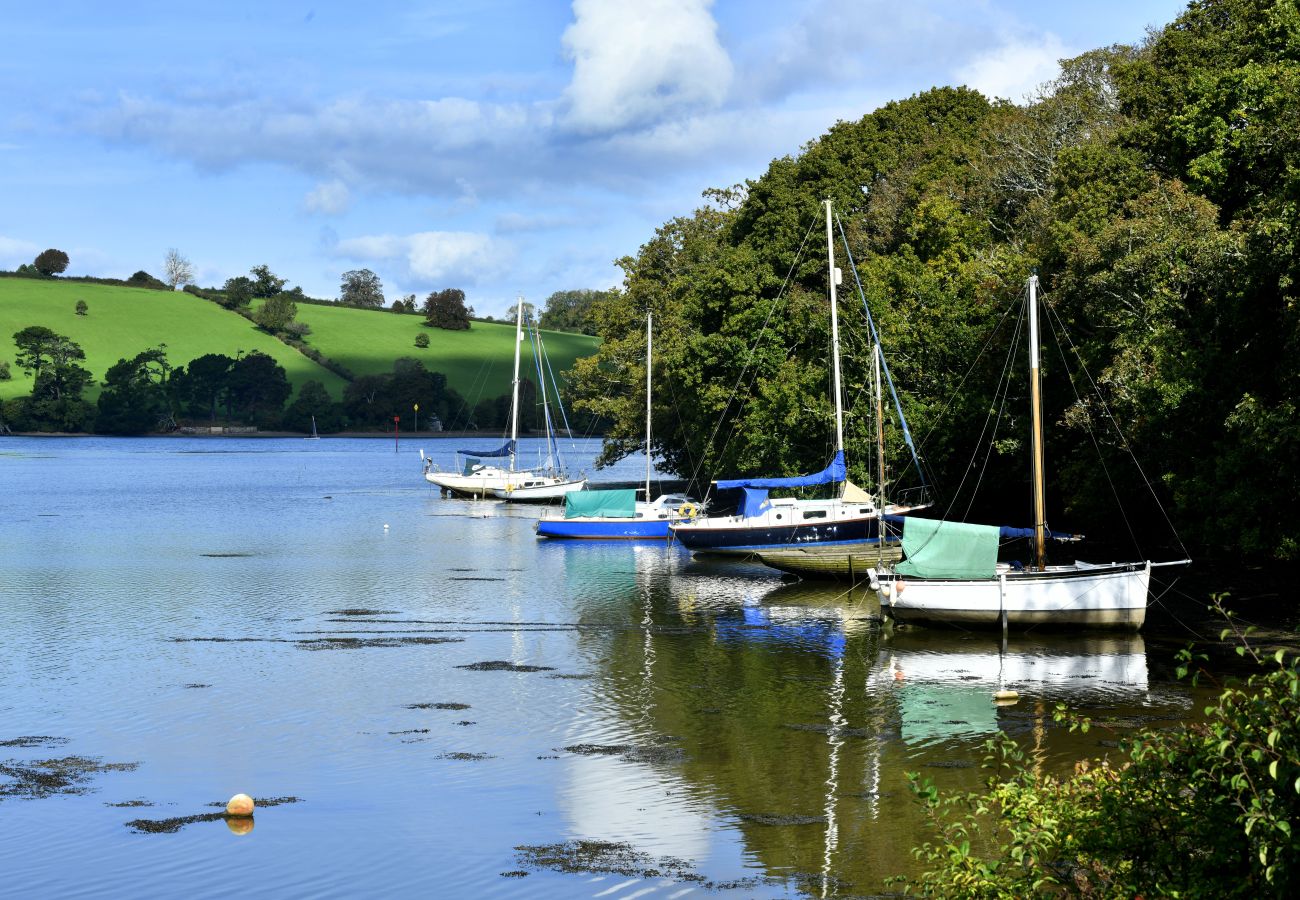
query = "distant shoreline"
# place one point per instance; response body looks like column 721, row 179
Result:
column 405, row 435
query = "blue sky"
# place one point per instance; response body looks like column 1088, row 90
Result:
column 503, row 146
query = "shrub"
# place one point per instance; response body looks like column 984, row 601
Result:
column 421, row 340
column 5, row 374
column 82, row 308
column 145, row 280
column 1203, row 810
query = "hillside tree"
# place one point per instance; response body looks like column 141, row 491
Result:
column 51, row 262
column 177, row 270
column 362, row 288
column 447, row 309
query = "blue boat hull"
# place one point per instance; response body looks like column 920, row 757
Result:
column 604, row 529
column 754, row 540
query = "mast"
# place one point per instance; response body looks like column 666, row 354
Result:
column 1036, row 403
column 880, row 458
column 648, row 343
column 514, row 390
column 834, row 277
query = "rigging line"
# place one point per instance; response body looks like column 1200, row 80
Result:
column 957, row 392
column 1052, row 320
column 546, row 358
column 884, row 365
column 722, row 417
column 1005, row 387
column 552, row 450
column 1124, row 441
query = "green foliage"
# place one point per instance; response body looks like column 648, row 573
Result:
column 313, row 400
column 422, row 341
column 82, row 308
column 237, row 292
column 143, row 279
column 5, row 374
column 277, row 313
column 572, row 310
column 51, row 262
column 258, row 388
column 136, row 397
column 1202, row 810
column 447, row 309
column 1155, row 187
column 372, row 400
column 265, row 283
column 361, row 287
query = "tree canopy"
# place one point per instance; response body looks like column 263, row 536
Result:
column 447, row 309
column 51, row 262
column 361, row 287
column 1154, row 188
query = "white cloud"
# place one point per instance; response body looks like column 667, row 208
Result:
column 329, row 198
column 637, row 63
column 1016, row 68
column 15, row 252
column 464, row 257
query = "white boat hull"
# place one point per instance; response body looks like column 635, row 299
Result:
column 477, row 484
column 1109, row 596
column 536, row 489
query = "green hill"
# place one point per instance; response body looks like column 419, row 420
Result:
column 123, row 321
column 478, row 363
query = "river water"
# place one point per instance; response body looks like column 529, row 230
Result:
column 186, row 618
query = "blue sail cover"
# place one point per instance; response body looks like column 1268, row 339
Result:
column 1005, row 532
column 755, row 501
column 836, row 471
column 507, row 450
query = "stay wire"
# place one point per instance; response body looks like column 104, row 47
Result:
column 722, row 417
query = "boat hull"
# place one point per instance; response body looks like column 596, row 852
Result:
column 603, row 529
column 751, row 539
column 852, row 561
column 472, row 486
column 551, row 489
column 1113, row 596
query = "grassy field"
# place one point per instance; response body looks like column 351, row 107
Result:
column 478, row 363
column 123, row 321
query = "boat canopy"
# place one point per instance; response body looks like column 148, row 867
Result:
column 506, row 450
column 938, row 549
column 615, row 504
column 755, row 501
column 1005, row 532
column 835, row 472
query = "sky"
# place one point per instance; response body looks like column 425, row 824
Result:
column 504, row 147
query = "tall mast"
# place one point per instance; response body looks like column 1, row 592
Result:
column 1036, row 402
column 514, row 395
column 880, row 458
column 648, row 341
column 833, row 278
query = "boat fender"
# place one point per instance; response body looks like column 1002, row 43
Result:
column 873, row 579
column 688, row 510
column 900, row 586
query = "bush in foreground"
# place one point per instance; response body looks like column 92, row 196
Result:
column 1204, row 810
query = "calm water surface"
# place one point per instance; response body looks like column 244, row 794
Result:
column 176, row 603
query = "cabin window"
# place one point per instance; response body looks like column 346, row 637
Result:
column 778, row 515
column 640, row 515
column 864, row 511
column 815, row 514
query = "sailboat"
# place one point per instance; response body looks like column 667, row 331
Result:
column 615, row 514
column 550, row 481
column 313, row 436
column 479, row 479
column 952, row 575
column 767, row 524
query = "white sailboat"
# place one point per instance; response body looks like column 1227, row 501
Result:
column 617, row 514
column 952, row 576
column 763, row 524
column 476, row 478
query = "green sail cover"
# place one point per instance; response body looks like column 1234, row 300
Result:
column 605, row 504
column 938, row 549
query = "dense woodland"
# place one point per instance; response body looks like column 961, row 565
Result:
column 1154, row 187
